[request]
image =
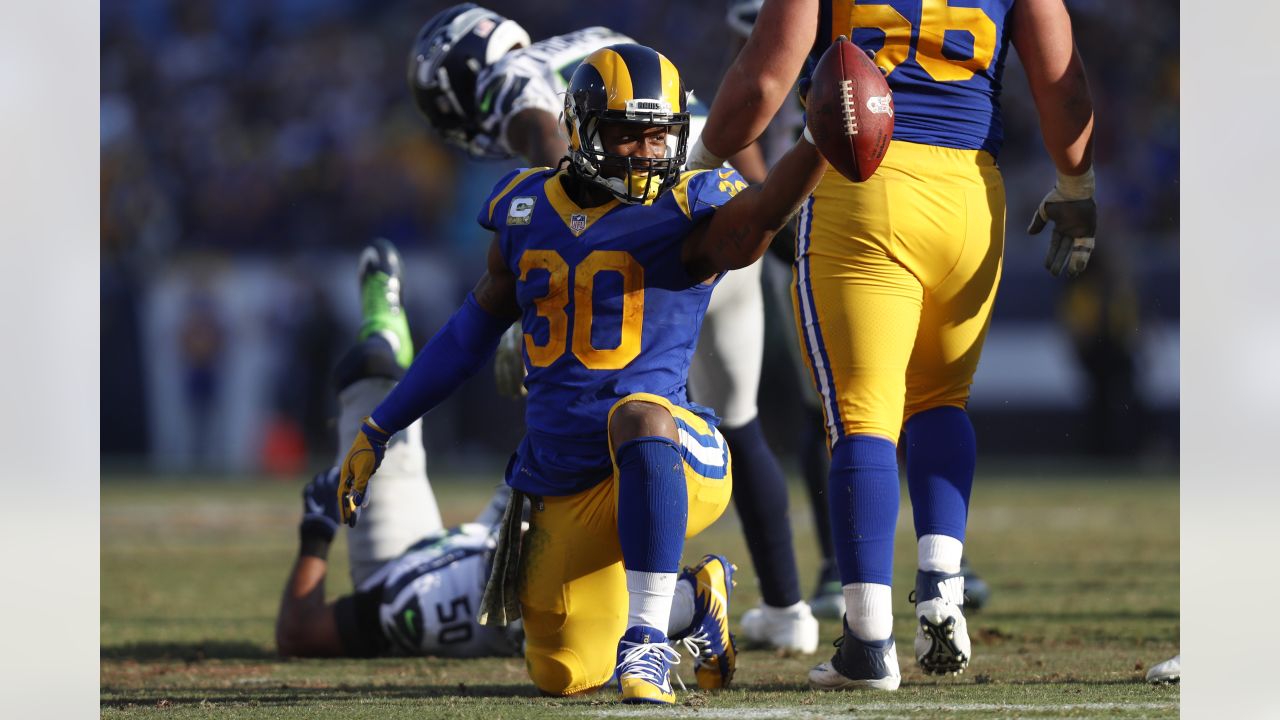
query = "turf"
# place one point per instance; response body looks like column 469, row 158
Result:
column 1083, row 567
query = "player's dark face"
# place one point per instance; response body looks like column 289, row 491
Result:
column 631, row 140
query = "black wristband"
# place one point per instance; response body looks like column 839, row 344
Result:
column 314, row 544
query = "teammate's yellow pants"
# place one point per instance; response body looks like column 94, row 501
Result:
column 573, row 589
column 894, row 283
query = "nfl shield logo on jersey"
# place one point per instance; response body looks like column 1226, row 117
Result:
column 577, row 223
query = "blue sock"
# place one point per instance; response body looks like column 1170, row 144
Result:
column 760, row 495
column 653, row 504
column 941, row 453
column 864, row 498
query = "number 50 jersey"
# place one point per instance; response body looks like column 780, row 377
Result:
column 608, row 311
column 425, row 602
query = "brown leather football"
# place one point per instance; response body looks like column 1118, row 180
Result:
column 850, row 110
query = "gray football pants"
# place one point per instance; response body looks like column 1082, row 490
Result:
column 400, row 506
column 725, row 372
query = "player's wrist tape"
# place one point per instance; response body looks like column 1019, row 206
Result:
column 378, row 433
column 1076, row 187
column 700, row 158
column 807, row 136
column 455, row 353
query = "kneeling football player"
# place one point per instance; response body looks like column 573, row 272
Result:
column 609, row 263
column 417, row 585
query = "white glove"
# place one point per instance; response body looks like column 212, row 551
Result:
column 508, row 364
column 1069, row 205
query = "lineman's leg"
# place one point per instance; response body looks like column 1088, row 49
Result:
column 827, row 600
column 725, row 376
column 961, row 286
column 940, row 444
column 858, row 309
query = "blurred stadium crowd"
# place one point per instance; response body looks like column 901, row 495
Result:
column 249, row 150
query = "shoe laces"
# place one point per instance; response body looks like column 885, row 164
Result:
column 698, row 645
column 645, row 661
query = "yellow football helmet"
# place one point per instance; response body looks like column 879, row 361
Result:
column 633, row 84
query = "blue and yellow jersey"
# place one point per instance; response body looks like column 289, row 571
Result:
column 943, row 59
column 608, row 310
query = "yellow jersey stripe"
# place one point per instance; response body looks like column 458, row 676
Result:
column 514, row 181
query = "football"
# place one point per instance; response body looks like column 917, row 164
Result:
column 850, row 110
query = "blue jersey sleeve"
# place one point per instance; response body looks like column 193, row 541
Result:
column 491, row 211
column 706, row 190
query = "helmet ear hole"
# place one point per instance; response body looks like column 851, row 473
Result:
column 563, row 129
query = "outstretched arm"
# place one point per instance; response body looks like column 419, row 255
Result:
column 738, row 233
column 757, row 83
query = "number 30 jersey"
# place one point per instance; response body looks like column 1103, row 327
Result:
column 943, row 59
column 532, row 77
column 608, row 310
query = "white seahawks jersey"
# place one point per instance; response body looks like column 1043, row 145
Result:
column 532, row 77
column 431, row 594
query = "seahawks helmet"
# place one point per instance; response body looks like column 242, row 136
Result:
column 632, row 84
column 447, row 58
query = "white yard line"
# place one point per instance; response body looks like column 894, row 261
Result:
column 880, row 709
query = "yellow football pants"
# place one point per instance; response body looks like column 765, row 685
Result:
column 573, row 589
column 894, row 283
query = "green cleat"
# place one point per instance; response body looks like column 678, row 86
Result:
column 380, row 306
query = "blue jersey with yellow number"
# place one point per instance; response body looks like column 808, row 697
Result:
column 943, row 59
column 608, row 310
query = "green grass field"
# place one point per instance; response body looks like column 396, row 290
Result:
column 1084, row 572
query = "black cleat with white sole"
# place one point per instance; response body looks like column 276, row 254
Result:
column 942, row 638
column 858, row 665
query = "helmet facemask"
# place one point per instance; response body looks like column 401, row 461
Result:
column 632, row 179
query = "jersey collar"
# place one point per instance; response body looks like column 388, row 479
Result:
column 575, row 218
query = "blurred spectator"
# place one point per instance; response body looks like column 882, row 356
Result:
column 276, row 126
column 201, row 345
column 308, row 335
column 1099, row 310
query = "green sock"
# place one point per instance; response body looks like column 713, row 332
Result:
column 382, row 313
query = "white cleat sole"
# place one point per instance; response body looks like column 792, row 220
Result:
column 825, row 677
column 937, row 650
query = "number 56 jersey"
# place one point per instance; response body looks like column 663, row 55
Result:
column 943, row 60
column 608, row 310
